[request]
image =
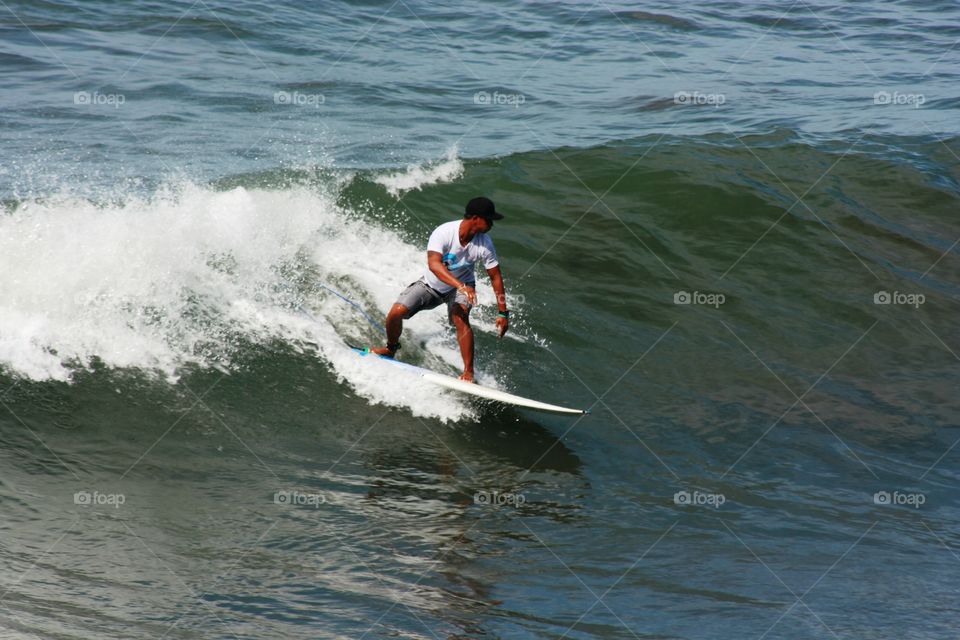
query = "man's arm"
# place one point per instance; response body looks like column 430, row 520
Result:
column 496, row 279
column 435, row 262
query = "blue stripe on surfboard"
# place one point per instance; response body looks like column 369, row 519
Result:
column 410, row 367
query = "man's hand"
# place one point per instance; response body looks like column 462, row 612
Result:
column 502, row 325
column 470, row 292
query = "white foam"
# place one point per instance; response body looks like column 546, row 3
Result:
column 183, row 276
column 415, row 177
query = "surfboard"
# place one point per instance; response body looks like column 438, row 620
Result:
column 474, row 389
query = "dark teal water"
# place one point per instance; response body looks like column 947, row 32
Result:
column 730, row 231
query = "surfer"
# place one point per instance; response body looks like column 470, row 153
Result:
column 453, row 250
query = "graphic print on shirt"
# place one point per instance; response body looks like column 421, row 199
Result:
column 450, row 261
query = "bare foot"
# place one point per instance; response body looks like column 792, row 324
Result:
column 383, row 351
column 467, row 376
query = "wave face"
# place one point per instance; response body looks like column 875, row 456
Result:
column 196, row 275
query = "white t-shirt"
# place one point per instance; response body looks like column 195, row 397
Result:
column 460, row 260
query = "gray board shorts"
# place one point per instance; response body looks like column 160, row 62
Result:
column 419, row 296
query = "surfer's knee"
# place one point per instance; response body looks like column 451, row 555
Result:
column 460, row 315
column 398, row 311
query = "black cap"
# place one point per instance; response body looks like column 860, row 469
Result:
column 482, row 207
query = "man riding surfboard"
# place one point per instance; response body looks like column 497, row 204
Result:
column 453, row 250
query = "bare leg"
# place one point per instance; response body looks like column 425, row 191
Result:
column 461, row 320
column 394, row 329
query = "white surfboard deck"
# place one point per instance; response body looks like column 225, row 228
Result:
column 475, row 389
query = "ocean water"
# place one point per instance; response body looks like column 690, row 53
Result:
column 731, row 232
